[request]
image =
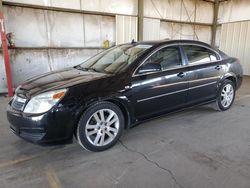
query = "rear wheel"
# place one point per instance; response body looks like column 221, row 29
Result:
column 226, row 95
column 100, row 126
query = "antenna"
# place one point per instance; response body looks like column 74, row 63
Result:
column 133, row 41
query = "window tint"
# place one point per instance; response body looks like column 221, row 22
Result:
column 168, row 58
column 197, row 54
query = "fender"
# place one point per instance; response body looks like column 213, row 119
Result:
column 120, row 100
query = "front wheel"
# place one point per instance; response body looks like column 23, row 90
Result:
column 100, row 126
column 226, row 95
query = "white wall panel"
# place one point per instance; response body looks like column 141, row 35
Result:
column 233, row 11
column 205, row 12
column 32, row 2
column 218, row 33
column 3, row 82
column 235, row 41
column 126, row 29
column 179, row 10
column 26, row 63
column 43, row 28
column 69, row 57
column 71, row 4
column 65, row 29
column 28, row 25
column 166, row 30
column 98, row 29
column 108, row 29
column 129, row 7
column 204, row 33
column 151, row 29
column 170, row 30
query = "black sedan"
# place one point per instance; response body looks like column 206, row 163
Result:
column 119, row 88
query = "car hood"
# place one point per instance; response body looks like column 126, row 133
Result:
column 57, row 80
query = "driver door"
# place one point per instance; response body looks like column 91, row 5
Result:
column 155, row 91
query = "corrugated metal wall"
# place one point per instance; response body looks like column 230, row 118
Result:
column 234, row 10
column 48, row 40
column 185, row 31
column 157, row 26
column 179, row 10
column 43, row 28
column 128, row 7
column 126, row 29
column 151, row 29
column 235, row 41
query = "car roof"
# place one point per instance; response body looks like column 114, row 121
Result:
column 167, row 41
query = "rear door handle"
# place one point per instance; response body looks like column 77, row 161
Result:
column 218, row 67
column 181, row 74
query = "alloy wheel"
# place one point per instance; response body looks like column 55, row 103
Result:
column 227, row 95
column 102, row 127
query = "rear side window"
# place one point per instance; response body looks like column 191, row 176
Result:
column 197, row 54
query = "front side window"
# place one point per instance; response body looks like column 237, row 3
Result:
column 115, row 59
column 165, row 58
column 197, row 54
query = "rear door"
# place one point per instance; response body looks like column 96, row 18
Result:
column 164, row 90
column 204, row 73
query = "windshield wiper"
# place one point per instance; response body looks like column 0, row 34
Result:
column 93, row 69
column 78, row 67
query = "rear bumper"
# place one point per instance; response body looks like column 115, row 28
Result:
column 52, row 127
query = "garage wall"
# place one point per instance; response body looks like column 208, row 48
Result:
column 128, row 7
column 235, row 41
column 151, row 29
column 173, row 20
column 48, row 40
column 169, row 30
column 43, row 28
column 179, row 10
column 126, row 29
column 234, row 11
column 235, row 30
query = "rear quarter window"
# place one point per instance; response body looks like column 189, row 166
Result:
column 198, row 54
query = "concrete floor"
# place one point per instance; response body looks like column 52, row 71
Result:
column 195, row 148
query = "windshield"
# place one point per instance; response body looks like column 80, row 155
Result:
column 115, row 59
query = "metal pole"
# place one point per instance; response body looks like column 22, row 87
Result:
column 140, row 19
column 5, row 52
column 215, row 21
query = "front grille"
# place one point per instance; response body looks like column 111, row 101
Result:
column 18, row 103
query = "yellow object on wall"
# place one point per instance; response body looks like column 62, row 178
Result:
column 106, row 44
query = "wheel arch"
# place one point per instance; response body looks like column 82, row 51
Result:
column 229, row 76
column 124, row 107
column 121, row 101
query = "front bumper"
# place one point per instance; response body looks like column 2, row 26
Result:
column 52, row 127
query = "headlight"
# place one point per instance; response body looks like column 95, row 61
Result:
column 44, row 102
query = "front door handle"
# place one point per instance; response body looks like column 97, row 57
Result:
column 218, row 67
column 181, row 74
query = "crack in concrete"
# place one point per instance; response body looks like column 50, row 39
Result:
column 154, row 163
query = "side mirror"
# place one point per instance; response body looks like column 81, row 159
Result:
column 149, row 67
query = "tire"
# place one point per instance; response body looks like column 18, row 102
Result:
column 227, row 89
column 100, row 126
